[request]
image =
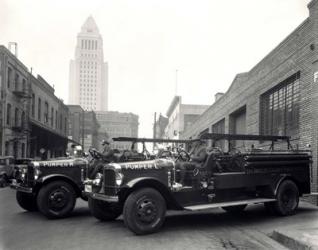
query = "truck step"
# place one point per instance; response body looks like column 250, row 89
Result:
column 228, row 204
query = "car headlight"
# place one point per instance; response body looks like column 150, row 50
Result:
column 37, row 173
column 119, row 178
column 98, row 179
column 23, row 173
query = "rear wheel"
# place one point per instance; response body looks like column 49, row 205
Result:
column 56, row 199
column 287, row 198
column 235, row 209
column 103, row 210
column 26, row 201
column 144, row 211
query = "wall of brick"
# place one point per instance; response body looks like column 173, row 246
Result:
column 297, row 53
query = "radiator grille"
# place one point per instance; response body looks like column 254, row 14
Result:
column 109, row 182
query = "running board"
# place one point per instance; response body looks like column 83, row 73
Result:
column 228, row 204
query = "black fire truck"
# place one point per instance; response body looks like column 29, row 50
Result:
column 231, row 179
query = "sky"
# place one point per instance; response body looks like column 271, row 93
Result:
column 145, row 41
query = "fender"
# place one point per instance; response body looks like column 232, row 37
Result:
column 284, row 177
column 151, row 182
column 136, row 181
column 44, row 179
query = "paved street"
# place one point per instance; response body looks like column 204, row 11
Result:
column 212, row 230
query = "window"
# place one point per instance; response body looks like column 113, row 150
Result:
column 9, row 77
column 280, row 108
column 23, row 121
column 52, row 116
column 24, row 85
column 16, row 81
column 33, row 105
column 9, row 114
column 46, row 112
column 16, row 117
column 56, row 119
column 39, row 109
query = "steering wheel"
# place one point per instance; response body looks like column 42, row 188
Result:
column 183, row 155
column 94, row 153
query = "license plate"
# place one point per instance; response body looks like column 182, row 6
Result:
column 88, row 188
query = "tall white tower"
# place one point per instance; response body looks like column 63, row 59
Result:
column 88, row 79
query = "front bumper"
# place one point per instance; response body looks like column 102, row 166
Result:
column 20, row 188
column 90, row 192
column 103, row 197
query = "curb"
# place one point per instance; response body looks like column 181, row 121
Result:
column 291, row 242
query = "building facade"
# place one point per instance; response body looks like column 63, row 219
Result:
column 48, row 121
column 181, row 116
column 76, row 124
column 88, row 79
column 160, row 126
column 117, row 124
column 91, row 128
column 278, row 96
column 33, row 120
column 15, row 90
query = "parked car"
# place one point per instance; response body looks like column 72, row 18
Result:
column 6, row 170
column 143, row 191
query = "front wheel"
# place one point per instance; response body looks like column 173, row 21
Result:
column 26, row 201
column 56, row 199
column 287, row 198
column 144, row 211
column 103, row 210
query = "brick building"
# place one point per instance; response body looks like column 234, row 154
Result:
column 278, row 96
column 181, row 116
column 91, row 128
column 31, row 116
column 116, row 124
column 48, row 120
column 14, row 101
column 76, row 124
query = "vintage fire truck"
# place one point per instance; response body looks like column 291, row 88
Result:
column 53, row 186
column 143, row 191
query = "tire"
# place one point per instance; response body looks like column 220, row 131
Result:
column 144, row 211
column 287, row 198
column 235, row 209
column 103, row 210
column 56, row 199
column 26, row 201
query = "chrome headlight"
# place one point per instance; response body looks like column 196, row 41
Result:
column 119, row 178
column 23, row 172
column 98, row 179
column 37, row 173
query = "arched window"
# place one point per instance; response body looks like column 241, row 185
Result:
column 23, row 121
column 16, row 117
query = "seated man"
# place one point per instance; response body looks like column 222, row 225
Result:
column 198, row 155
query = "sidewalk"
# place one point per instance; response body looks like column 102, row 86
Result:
column 306, row 238
column 304, row 235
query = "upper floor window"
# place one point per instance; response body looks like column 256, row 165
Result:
column 39, row 109
column 16, row 117
column 9, row 77
column 16, row 81
column 33, row 105
column 280, row 108
column 46, row 112
column 9, row 114
column 52, row 116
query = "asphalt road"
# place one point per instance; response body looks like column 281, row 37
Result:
column 182, row 230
